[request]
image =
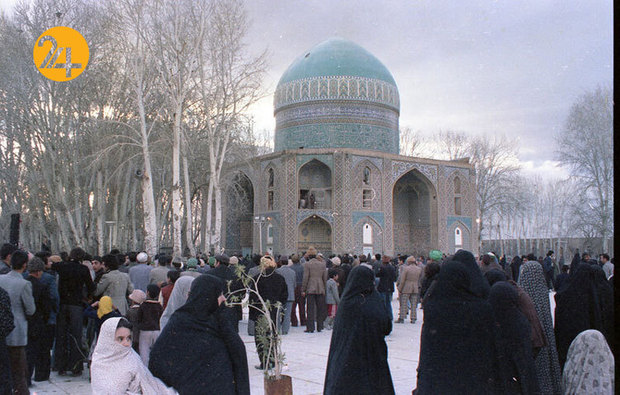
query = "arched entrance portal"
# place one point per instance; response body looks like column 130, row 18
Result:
column 315, row 186
column 238, row 216
column 317, row 232
column 415, row 214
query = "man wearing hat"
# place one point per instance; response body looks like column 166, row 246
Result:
column 313, row 288
column 192, row 268
column 139, row 274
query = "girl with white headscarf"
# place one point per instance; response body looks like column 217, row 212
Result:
column 116, row 368
column 178, row 297
column 589, row 367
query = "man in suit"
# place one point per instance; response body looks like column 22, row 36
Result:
column 22, row 305
column 313, row 288
column 408, row 289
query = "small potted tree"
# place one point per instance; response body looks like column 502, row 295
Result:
column 267, row 332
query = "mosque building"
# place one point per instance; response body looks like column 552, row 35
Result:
column 335, row 179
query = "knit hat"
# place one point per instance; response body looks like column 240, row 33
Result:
column 137, row 296
column 311, row 250
column 267, row 262
column 233, row 260
column 336, row 261
column 142, row 257
column 192, row 262
column 211, row 261
column 435, row 255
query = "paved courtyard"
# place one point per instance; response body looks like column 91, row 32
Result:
column 306, row 357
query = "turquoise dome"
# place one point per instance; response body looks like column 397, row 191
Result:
column 337, row 95
column 337, row 57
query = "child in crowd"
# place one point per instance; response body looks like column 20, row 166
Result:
column 332, row 297
column 149, row 314
column 137, row 297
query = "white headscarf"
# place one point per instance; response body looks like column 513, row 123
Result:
column 178, row 297
column 117, row 369
column 589, row 367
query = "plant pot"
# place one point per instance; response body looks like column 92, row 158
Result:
column 282, row 386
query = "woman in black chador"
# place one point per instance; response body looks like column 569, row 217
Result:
column 357, row 362
column 199, row 350
column 517, row 368
column 457, row 348
column 587, row 302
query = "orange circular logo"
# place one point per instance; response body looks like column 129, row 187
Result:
column 60, row 53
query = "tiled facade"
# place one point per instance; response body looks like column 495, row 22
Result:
column 336, row 169
column 347, row 216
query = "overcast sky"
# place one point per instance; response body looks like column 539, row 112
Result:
column 508, row 67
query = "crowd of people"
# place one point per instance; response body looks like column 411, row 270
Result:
column 157, row 325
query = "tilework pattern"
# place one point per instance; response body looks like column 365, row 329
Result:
column 347, row 216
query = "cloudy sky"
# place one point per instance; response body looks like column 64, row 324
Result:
column 507, row 67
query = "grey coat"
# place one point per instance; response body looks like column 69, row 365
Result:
column 22, row 305
column 331, row 292
column 290, row 278
column 117, row 286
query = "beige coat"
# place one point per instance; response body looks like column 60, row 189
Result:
column 117, row 286
column 315, row 277
column 409, row 279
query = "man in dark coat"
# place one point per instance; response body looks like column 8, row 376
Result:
column 6, row 326
column 232, row 286
column 387, row 275
column 548, row 269
column 73, row 279
column 36, row 350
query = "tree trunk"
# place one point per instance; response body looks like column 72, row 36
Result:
column 218, row 219
column 100, row 212
column 209, row 219
column 148, row 200
column 188, row 207
column 176, row 187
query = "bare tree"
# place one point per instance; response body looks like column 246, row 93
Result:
column 229, row 82
column 176, row 32
column 585, row 147
column 412, row 143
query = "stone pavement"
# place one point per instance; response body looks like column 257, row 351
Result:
column 306, row 359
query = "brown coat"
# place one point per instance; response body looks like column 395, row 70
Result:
column 315, row 277
column 409, row 279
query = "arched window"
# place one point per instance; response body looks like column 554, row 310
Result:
column 270, row 191
column 457, row 196
column 458, row 237
column 270, row 182
column 367, row 234
column 270, row 234
column 457, row 186
column 366, row 176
